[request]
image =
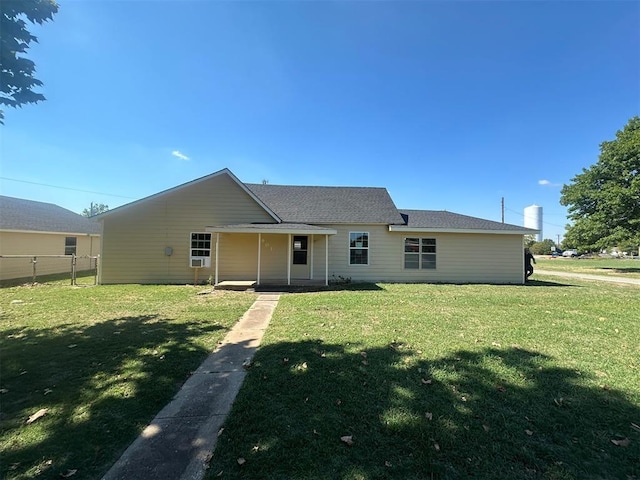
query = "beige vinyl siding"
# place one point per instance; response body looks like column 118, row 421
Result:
column 460, row 258
column 35, row 244
column 135, row 238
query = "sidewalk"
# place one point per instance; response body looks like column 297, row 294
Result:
column 584, row 276
column 178, row 443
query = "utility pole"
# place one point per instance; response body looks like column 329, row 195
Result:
column 502, row 208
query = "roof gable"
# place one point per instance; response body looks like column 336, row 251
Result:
column 224, row 171
column 329, row 205
column 18, row 214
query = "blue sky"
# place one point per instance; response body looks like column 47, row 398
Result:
column 449, row 105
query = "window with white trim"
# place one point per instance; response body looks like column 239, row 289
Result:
column 70, row 245
column 200, row 251
column 419, row 253
column 358, row 248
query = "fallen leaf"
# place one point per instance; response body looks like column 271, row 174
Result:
column 387, row 464
column 255, row 448
column 73, row 345
column 621, row 442
column 528, row 432
column 495, row 344
column 427, row 382
column 635, row 426
column 501, row 388
column 348, row 439
column 47, row 391
column 241, row 461
column 429, row 415
column 436, row 446
column 285, row 360
column 220, row 431
column 69, row 473
column 39, row 414
column 3, row 390
column 486, row 427
column 14, row 466
column 558, row 401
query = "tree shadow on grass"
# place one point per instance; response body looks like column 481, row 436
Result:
column 492, row 413
column 101, row 385
column 622, row 270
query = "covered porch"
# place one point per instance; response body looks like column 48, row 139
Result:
column 283, row 255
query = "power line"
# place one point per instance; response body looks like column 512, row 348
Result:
column 66, row 188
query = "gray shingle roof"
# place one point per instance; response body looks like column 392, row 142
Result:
column 29, row 215
column 449, row 220
column 328, row 205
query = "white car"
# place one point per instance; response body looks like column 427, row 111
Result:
column 570, row 253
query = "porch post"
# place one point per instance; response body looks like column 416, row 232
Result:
column 311, row 259
column 326, row 260
column 259, row 252
column 289, row 261
column 217, row 256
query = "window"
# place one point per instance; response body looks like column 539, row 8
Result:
column 300, row 250
column 70, row 245
column 358, row 248
column 419, row 253
column 201, row 245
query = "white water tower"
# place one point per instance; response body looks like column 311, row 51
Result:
column 533, row 219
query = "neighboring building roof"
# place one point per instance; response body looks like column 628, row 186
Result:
column 441, row 220
column 329, row 205
column 17, row 214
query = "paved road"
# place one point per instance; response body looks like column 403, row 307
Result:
column 584, row 276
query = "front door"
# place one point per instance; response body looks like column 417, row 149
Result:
column 300, row 258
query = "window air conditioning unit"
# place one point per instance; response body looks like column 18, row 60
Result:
column 200, row 262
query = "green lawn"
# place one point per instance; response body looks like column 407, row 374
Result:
column 621, row 267
column 443, row 382
column 102, row 361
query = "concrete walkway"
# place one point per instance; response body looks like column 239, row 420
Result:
column 585, row 276
column 178, row 443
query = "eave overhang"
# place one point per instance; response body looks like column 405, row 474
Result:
column 406, row 229
column 276, row 228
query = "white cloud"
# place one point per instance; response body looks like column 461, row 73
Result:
column 179, row 154
column 547, row 183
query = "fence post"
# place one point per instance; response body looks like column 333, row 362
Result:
column 34, row 261
column 73, row 269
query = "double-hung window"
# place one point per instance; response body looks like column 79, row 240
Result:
column 200, row 251
column 358, row 248
column 70, row 245
column 419, row 253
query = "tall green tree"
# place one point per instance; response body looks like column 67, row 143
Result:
column 604, row 200
column 16, row 71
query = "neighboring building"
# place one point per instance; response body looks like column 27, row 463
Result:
column 40, row 229
column 220, row 228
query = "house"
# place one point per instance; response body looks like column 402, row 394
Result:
column 219, row 229
column 46, row 231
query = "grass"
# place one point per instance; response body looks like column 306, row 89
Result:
column 102, row 361
column 621, row 267
column 443, row 382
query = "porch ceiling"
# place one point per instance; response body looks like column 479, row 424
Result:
column 277, row 228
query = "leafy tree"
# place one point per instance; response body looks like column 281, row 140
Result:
column 543, row 247
column 95, row 209
column 604, row 200
column 16, row 72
